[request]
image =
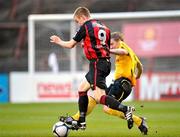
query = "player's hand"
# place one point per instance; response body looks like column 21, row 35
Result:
column 55, row 39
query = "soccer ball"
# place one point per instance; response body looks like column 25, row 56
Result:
column 60, row 129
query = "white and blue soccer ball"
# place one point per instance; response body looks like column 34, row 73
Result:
column 60, row 129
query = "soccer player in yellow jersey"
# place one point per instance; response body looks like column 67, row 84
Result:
column 128, row 68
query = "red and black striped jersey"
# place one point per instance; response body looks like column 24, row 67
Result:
column 96, row 38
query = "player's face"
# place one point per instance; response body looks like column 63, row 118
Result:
column 79, row 20
column 114, row 44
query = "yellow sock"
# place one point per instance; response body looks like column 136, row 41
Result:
column 91, row 105
column 113, row 112
column 137, row 120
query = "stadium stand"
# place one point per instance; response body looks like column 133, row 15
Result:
column 13, row 26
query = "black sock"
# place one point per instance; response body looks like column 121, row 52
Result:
column 83, row 104
column 112, row 103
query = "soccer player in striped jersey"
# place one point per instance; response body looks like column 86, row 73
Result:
column 128, row 68
column 96, row 38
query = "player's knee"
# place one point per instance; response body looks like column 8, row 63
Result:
column 84, row 86
column 98, row 93
column 120, row 89
column 126, row 86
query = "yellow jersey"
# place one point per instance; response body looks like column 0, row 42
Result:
column 126, row 65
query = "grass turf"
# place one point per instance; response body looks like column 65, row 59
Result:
column 36, row 120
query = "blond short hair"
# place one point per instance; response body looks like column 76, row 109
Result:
column 117, row 36
column 81, row 11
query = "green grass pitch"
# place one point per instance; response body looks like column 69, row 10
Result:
column 36, row 120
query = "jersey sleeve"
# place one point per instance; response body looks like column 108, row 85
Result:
column 81, row 33
column 137, row 59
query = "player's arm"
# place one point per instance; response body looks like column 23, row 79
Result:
column 119, row 51
column 140, row 70
column 66, row 44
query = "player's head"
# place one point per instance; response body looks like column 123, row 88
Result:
column 116, row 37
column 81, row 15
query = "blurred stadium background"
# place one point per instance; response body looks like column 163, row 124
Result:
column 32, row 70
column 156, row 40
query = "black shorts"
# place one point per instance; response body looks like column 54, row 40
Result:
column 120, row 89
column 98, row 71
